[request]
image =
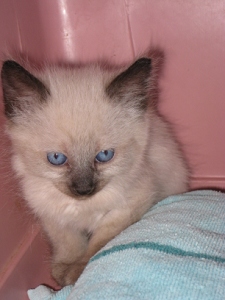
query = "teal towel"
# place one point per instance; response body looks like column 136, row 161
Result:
column 177, row 251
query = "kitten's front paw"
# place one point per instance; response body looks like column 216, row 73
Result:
column 66, row 274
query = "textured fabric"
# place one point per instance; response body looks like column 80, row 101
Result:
column 44, row 293
column 177, row 251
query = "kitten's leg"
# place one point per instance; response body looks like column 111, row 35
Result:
column 68, row 249
column 112, row 224
column 117, row 220
column 72, row 250
column 84, row 247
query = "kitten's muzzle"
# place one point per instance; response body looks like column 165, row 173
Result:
column 82, row 189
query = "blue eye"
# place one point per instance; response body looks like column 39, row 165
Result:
column 56, row 158
column 104, row 155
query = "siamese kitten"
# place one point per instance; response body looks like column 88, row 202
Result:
column 91, row 151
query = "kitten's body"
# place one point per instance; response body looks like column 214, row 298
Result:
column 80, row 112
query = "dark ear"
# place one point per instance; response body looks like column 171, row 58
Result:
column 21, row 90
column 132, row 86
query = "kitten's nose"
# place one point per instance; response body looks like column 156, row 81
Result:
column 82, row 190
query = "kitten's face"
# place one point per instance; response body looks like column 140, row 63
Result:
column 79, row 129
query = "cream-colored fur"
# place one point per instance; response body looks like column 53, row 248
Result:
column 79, row 119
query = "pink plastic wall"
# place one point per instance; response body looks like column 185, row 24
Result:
column 192, row 33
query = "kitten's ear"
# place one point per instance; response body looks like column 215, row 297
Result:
column 132, row 86
column 21, row 90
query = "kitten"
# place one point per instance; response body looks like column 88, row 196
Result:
column 92, row 153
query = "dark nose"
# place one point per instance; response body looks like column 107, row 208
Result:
column 82, row 189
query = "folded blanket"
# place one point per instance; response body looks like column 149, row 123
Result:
column 177, row 251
